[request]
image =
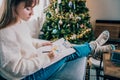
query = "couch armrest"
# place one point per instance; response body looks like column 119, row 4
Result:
column 73, row 70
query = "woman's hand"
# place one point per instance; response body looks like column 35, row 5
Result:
column 46, row 43
column 51, row 55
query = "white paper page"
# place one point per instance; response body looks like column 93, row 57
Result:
column 59, row 47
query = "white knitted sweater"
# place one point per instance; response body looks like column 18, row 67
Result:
column 18, row 56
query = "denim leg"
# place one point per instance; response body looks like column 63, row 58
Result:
column 44, row 74
column 83, row 49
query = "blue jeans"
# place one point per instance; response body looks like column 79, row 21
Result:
column 45, row 73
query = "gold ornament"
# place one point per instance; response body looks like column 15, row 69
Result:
column 81, row 35
column 68, row 25
column 74, row 36
column 60, row 22
column 67, row 38
column 78, row 18
column 56, row 10
column 81, row 26
column 71, row 15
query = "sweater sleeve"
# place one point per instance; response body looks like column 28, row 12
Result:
column 35, row 25
column 12, row 60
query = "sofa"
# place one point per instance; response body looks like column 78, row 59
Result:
column 73, row 70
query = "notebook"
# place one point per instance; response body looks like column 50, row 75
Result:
column 61, row 47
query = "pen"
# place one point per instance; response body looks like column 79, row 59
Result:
column 46, row 51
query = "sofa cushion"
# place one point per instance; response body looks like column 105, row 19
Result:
column 73, row 70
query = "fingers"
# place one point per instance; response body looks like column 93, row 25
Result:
column 51, row 55
column 47, row 43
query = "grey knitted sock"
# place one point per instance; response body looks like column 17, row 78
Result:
column 101, row 49
column 93, row 45
column 103, row 37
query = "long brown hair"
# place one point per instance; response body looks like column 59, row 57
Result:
column 7, row 16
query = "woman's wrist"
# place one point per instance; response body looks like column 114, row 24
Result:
column 42, row 44
column 39, row 45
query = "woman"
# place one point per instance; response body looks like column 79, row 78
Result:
column 19, row 54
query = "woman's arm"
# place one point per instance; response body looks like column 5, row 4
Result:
column 39, row 43
column 13, row 60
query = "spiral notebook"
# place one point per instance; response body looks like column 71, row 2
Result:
column 61, row 47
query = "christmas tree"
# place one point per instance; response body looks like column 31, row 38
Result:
column 69, row 19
